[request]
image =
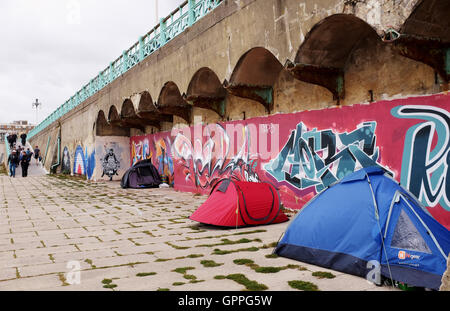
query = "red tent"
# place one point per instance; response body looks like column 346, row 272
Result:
column 239, row 203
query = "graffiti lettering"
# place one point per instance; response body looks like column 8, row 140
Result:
column 320, row 158
column 160, row 153
column 207, row 162
column 426, row 155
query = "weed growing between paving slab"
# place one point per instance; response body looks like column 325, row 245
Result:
column 142, row 274
column 181, row 257
column 250, row 263
column 230, row 242
column 302, row 285
column 108, row 284
column 272, row 256
column 183, row 269
column 218, row 251
column 323, row 275
column 190, row 277
column 270, row 245
column 210, row 263
column 243, row 280
column 63, row 280
column 90, row 263
column 176, row 246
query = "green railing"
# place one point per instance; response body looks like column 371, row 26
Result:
column 168, row 28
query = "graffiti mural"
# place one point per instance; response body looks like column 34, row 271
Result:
column 79, row 163
column 426, row 155
column 112, row 155
column 158, row 148
column 205, row 162
column 319, row 158
column 163, row 159
column 110, row 164
column 83, row 162
column 140, row 151
column 310, row 150
column 65, row 168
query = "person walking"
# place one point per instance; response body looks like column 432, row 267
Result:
column 24, row 163
column 23, row 138
column 13, row 161
column 12, row 140
column 37, row 155
column 29, row 153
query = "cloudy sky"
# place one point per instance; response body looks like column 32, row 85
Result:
column 51, row 48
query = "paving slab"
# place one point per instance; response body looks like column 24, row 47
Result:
column 135, row 239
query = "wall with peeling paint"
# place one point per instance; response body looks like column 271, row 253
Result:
column 237, row 26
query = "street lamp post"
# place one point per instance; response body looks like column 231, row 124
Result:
column 36, row 105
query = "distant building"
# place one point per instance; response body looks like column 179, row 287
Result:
column 18, row 127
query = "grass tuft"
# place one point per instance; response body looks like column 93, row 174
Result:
column 178, row 283
column 210, row 263
column 142, row 274
column 249, row 284
column 323, row 275
column 272, row 256
column 302, row 285
column 218, row 251
column 183, row 269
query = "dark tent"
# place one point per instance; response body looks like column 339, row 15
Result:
column 368, row 223
column 141, row 175
column 239, row 204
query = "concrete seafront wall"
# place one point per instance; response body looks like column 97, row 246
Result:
column 279, row 28
column 322, row 77
column 302, row 153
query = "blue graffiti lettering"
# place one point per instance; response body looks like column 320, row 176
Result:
column 426, row 155
column 319, row 158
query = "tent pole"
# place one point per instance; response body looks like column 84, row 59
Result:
column 377, row 215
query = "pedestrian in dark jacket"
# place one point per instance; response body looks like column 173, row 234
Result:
column 13, row 161
column 25, row 162
column 12, row 140
column 37, row 155
column 23, row 137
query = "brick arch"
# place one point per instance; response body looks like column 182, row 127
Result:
column 425, row 36
column 206, row 91
column 324, row 54
column 429, row 18
column 171, row 102
column 103, row 128
column 113, row 115
column 147, row 109
column 255, row 75
column 129, row 117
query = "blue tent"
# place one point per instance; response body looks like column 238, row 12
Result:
column 370, row 226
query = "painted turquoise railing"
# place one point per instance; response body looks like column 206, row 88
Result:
column 168, row 28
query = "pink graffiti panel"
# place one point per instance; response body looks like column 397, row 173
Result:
column 303, row 153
